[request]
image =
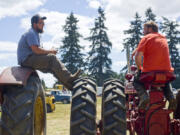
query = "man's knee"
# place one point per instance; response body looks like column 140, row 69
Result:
column 138, row 85
column 53, row 61
column 52, row 58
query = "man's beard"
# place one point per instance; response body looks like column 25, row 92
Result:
column 39, row 30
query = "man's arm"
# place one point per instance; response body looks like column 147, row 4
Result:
column 134, row 52
column 138, row 59
column 38, row 50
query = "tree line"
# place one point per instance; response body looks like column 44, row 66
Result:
column 97, row 63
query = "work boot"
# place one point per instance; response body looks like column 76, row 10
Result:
column 172, row 104
column 74, row 77
column 170, row 97
column 144, row 100
column 142, row 94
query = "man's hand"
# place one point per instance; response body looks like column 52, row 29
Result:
column 38, row 50
column 53, row 51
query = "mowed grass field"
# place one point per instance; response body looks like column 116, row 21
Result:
column 58, row 122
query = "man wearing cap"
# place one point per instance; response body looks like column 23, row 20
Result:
column 30, row 54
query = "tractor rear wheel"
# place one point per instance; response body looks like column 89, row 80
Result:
column 24, row 109
column 83, row 108
column 177, row 112
column 113, row 108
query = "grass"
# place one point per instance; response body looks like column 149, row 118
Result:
column 58, row 122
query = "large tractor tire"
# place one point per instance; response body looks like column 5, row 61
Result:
column 177, row 112
column 83, row 108
column 24, row 109
column 113, row 108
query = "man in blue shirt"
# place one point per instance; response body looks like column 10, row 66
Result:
column 30, row 54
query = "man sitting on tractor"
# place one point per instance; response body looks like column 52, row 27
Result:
column 30, row 54
column 154, row 52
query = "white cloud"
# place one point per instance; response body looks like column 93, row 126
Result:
column 94, row 3
column 48, row 78
column 127, row 9
column 2, row 68
column 18, row 7
column 7, row 56
column 120, row 63
column 7, row 46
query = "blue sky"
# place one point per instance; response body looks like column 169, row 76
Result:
column 14, row 30
column 15, row 20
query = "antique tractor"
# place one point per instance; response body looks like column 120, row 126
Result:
column 155, row 119
column 23, row 102
column 120, row 112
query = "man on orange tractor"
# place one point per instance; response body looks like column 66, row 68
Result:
column 153, row 50
column 30, row 54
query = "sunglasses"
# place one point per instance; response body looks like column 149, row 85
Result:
column 41, row 23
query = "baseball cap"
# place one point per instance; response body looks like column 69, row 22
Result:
column 36, row 18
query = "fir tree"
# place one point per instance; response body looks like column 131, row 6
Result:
column 71, row 50
column 99, row 62
column 134, row 36
column 150, row 16
column 170, row 28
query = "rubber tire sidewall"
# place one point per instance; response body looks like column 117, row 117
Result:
column 15, row 96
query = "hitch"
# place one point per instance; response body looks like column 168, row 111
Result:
column 99, row 127
column 1, row 96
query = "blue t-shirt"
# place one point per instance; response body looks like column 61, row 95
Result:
column 28, row 39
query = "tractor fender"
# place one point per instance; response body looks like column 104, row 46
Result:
column 16, row 75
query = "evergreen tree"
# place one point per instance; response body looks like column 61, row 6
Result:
column 43, row 84
column 71, row 50
column 150, row 16
column 170, row 28
column 99, row 62
column 134, row 36
column 115, row 75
